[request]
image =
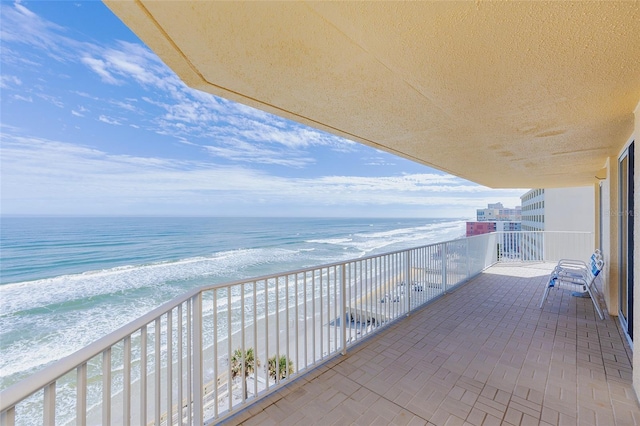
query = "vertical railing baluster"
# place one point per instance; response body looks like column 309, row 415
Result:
column 170, row 367
column 393, row 271
column 466, row 250
column 229, row 353
column 189, row 350
column 81, row 395
column 343, row 303
column 313, row 313
column 158, row 372
column 288, row 328
column 443, row 265
column 255, row 337
column 198, row 388
column 349, row 300
column 243, row 347
column 321, row 318
column 143, row 375
column 335, row 308
column 306, row 326
column 297, row 330
column 126, row 382
column 106, row 386
column 360, row 297
column 374, row 280
column 216, row 373
column 49, row 409
column 277, row 289
column 180, row 366
column 385, row 285
column 266, row 323
column 407, row 282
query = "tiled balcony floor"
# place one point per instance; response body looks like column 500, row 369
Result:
column 482, row 355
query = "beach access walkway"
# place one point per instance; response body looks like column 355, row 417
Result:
column 484, row 354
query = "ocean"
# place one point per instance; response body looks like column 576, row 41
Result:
column 65, row 282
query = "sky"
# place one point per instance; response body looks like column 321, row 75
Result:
column 92, row 122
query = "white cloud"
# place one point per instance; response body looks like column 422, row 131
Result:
column 240, row 151
column 109, row 120
column 100, row 68
column 6, row 81
column 73, row 179
column 23, row 98
column 185, row 113
column 51, row 99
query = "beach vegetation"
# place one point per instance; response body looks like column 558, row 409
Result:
column 244, row 361
column 279, row 368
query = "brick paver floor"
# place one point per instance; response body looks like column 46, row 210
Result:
column 484, row 354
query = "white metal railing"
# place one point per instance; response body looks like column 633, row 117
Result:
column 204, row 356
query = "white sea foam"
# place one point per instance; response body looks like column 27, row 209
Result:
column 336, row 241
column 63, row 314
column 63, row 289
column 44, row 320
column 369, row 242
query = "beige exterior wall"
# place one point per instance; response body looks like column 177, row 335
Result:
column 569, row 209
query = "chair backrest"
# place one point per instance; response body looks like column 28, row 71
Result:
column 596, row 267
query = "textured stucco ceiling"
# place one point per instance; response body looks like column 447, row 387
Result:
column 506, row 94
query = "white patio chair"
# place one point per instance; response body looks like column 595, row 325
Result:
column 577, row 275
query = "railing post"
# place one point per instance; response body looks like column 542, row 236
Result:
column 8, row 418
column 50, row 404
column 343, row 308
column 81, row 395
column 198, row 412
column 106, row 386
column 126, row 379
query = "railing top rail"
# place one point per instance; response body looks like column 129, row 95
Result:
column 324, row 266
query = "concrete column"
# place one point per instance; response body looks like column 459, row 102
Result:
column 610, row 235
column 636, row 258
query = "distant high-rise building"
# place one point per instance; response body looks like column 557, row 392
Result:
column 497, row 212
column 479, row 228
column 495, row 218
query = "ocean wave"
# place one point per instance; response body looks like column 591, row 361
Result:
column 335, row 241
column 31, row 295
column 365, row 243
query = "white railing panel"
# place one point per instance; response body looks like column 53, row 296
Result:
column 207, row 354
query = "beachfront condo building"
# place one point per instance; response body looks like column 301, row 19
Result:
column 570, row 209
column 504, row 94
column 498, row 212
column 495, row 218
column 559, row 209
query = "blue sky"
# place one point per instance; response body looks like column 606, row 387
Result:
column 93, row 123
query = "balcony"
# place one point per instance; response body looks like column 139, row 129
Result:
column 444, row 334
column 482, row 355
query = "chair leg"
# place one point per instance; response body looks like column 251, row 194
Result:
column 595, row 302
column 544, row 296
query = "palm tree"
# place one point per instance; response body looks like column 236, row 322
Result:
column 243, row 360
column 285, row 368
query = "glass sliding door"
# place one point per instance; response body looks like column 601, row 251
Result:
column 625, row 226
